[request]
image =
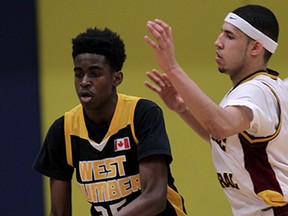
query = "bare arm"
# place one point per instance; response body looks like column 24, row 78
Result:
column 194, row 124
column 153, row 177
column 60, row 198
column 218, row 122
column 174, row 101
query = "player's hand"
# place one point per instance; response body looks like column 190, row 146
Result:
column 166, row 91
column 163, row 46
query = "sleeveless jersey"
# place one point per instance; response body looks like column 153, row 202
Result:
column 252, row 166
column 108, row 172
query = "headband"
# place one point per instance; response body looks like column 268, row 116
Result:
column 251, row 31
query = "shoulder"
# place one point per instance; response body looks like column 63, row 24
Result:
column 253, row 94
column 252, row 88
column 285, row 81
column 147, row 113
column 58, row 123
column 57, row 128
column 146, row 104
column 148, row 109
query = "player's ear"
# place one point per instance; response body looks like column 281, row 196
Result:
column 117, row 78
column 257, row 47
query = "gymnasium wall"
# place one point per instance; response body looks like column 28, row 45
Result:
column 195, row 24
column 20, row 186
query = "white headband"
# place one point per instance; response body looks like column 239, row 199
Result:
column 252, row 32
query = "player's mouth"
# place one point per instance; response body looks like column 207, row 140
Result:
column 85, row 97
column 218, row 57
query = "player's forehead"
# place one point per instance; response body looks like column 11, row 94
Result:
column 229, row 28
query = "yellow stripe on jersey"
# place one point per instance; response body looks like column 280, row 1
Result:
column 273, row 76
column 119, row 121
column 176, row 201
column 272, row 198
column 74, row 122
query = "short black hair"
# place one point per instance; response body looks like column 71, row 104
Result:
column 102, row 42
column 260, row 18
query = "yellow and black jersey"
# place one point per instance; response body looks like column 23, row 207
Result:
column 106, row 158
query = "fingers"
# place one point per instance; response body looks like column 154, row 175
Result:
column 165, row 29
column 156, row 77
column 150, row 42
column 168, row 29
column 153, row 30
column 161, row 31
column 161, row 80
column 152, row 87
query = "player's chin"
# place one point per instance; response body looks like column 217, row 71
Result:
column 88, row 106
column 221, row 69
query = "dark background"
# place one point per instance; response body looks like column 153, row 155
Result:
column 20, row 185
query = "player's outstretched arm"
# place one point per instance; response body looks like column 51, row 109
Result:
column 164, row 88
column 218, row 122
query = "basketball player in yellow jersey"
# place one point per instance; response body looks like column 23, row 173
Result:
column 117, row 144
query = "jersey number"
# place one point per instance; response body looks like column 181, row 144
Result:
column 114, row 208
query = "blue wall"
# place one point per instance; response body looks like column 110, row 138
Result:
column 20, row 185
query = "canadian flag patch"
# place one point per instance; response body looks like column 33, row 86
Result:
column 122, row 144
